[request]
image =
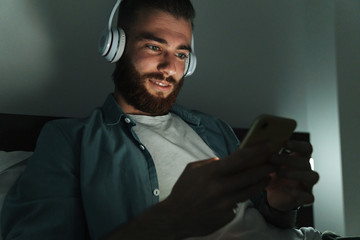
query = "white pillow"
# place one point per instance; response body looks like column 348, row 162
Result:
column 9, row 159
column 12, row 164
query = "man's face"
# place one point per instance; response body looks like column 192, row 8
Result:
column 151, row 71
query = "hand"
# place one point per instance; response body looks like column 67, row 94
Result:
column 203, row 198
column 291, row 185
column 206, row 193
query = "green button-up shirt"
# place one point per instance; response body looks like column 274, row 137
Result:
column 89, row 176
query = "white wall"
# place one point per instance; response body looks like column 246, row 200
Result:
column 292, row 58
column 332, row 68
column 48, row 57
column 250, row 60
column 323, row 113
column 348, row 73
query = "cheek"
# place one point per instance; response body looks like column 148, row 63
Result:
column 181, row 69
column 144, row 64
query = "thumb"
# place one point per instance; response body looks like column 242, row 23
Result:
column 201, row 163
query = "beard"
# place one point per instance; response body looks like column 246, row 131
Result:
column 131, row 85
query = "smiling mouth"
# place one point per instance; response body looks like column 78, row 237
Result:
column 161, row 84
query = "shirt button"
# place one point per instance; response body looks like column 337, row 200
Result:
column 156, row 192
column 142, row 147
column 127, row 120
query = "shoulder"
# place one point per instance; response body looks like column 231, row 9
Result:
column 72, row 128
column 213, row 127
column 198, row 117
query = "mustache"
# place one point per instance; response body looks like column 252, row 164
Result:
column 159, row 76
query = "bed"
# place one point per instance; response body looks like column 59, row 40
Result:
column 18, row 135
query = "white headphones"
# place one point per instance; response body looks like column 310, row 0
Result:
column 112, row 44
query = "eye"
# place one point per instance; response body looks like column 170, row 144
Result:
column 153, row 48
column 182, row 56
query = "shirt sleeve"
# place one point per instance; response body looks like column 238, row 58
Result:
column 281, row 219
column 45, row 202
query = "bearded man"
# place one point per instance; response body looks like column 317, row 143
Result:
column 135, row 168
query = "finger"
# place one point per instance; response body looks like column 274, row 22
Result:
column 299, row 147
column 200, row 163
column 246, row 158
column 306, row 178
column 300, row 197
column 250, row 191
column 292, row 161
column 246, row 178
column 228, row 186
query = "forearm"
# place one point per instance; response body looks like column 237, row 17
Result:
column 156, row 223
column 282, row 219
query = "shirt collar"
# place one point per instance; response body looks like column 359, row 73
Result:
column 113, row 112
column 187, row 115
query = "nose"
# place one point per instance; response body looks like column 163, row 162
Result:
column 167, row 65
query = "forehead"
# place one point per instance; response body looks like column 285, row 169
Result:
column 162, row 24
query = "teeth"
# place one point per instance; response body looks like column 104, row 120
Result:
column 162, row 84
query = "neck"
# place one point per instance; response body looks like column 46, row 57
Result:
column 126, row 107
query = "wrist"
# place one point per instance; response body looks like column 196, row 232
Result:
column 168, row 222
column 279, row 218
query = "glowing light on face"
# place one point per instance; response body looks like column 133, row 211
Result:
column 131, row 85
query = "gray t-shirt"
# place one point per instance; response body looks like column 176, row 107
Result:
column 172, row 144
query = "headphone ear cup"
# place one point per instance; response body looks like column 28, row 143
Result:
column 112, row 44
column 105, row 41
column 121, row 45
column 190, row 65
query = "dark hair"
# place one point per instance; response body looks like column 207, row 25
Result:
column 129, row 10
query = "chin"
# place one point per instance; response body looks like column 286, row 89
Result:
column 159, row 95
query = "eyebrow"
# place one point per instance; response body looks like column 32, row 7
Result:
column 152, row 37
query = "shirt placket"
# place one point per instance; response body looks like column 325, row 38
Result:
column 154, row 191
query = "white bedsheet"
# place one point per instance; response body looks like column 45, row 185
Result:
column 249, row 224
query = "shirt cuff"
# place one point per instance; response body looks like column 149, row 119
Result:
column 282, row 219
